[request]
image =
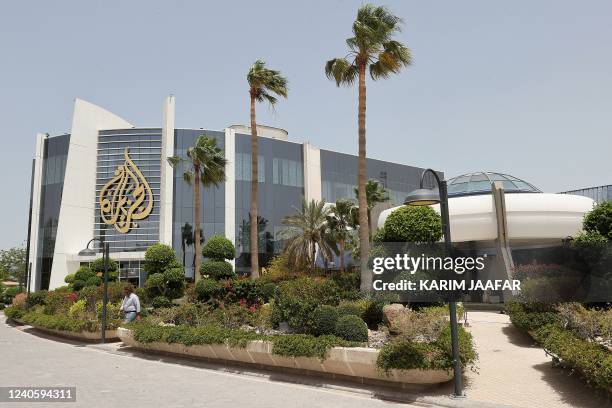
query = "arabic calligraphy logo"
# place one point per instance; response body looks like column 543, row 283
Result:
column 126, row 197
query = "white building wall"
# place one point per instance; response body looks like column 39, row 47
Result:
column 76, row 217
column 230, row 186
column 167, row 174
column 312, row 172
column 35, row 216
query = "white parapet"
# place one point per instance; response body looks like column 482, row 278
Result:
column 167, row 174
column 77, row 211
column 35, row 216
column 312, row 172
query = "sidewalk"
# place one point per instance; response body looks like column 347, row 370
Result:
column 514, row 371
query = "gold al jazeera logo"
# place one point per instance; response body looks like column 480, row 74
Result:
column 126, row 198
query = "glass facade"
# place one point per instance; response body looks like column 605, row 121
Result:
column 339, row 177
column 145, row 151
column 55, row 153
column 598, row 194
column 212, row 201
column 281, row 166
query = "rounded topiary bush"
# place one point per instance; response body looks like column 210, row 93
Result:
column 413, row 224
column 161, row 301
column 218, row 270
column 352, row 328
column 93, row 281
column 207, row 289
column 324, row 320
column 158, row 258
column 219, row 248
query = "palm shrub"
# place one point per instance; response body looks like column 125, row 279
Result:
column 206, row 167
column 217, row 250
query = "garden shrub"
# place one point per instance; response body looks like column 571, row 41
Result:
column 20, row 301
column 82, row 277
column 208, row 289
column 161, row 301
column 352, row 307
column 58, row 301
column 324, row 319
column 169, row 283
column 218, row 270
column 304, row 345
column 38, row 298
column 12, row 312
column 278, row 270
column 115, row 290
column 69, row 279
column 219, row 248
column 600, row 220
column 93, row 281
column 78, row 309
column 10, row 293
column 347, row 281
column 425, row 325
column 352, row 328
column 590, row 359
column 296, row 300
column 268, row 290
column 2, row 305
column 159, row 258
column 405, row 354
column 417, row 224
column 529, row 316
column 97, row 267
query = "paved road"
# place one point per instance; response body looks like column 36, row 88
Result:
column 108, row 377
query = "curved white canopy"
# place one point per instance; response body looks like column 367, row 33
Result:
column 530, row 216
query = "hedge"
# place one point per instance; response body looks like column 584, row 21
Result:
column 592, row 360
column 294, row 345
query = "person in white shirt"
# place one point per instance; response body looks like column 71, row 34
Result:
column 130, row 305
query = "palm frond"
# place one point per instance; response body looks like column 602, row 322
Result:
column 188, row 177
column 341, row 71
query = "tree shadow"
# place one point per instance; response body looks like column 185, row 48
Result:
column 518, row 337
column 571, row 387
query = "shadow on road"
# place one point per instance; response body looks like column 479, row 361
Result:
column 518, row 337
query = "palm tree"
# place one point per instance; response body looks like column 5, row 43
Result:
column 306, row 230
column 339, row 222
column 263, row 82
column 206, row 166
column 375, row 193
column 372, row 46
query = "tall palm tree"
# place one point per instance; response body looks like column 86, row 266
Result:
column 372, row 46
column 205, row 165
column 306, row 230
column 339, row 222
column 375, row 193
column 263, row 83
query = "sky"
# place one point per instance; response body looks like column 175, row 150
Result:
column 520, row 87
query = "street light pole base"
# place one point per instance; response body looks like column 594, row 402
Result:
column 457, row 397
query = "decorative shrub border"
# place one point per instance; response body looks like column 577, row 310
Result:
column 352, row 363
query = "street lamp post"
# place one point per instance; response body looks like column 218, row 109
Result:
column 428, row 196
column 90, row 252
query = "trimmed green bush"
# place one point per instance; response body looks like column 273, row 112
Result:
column 219, row 248
column 295, row 345
column 527, row 319
column 590, row 359
column 324, row 319
column 208, row 289
column 600, row 220
column 218, row 270
column 159, row 258
column 268, row 290
column 404, row 354
column 69, row 278
column 296, row 300
column 97, row 267
column 352, row 307
column 10, row 293
column 12, row 312
column 38, row 298
column 93, row 281
column 418, row 224
column 161, row 301
column 170, row 283
column 352, row 328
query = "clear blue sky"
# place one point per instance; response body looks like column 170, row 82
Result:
column 522, row 87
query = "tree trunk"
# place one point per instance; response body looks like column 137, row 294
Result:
column 254, row 188
column 314, row 255
column 364, row 228
column 341, row 243
column 196, row 220
column 369, row 225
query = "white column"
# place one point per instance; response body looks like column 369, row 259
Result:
column 35, row 216
column 312, row 172
column 167, row 173
column 230, row 186
column 77, row 211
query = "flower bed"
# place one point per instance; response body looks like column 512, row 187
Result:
column 324, row 355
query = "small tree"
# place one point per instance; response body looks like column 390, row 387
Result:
column 218, row 249
column 97, row 267
column 413, row 224
column 166, row 276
